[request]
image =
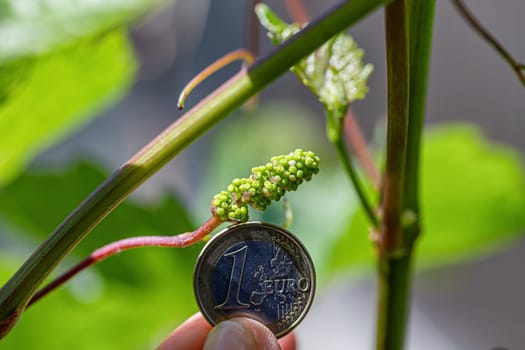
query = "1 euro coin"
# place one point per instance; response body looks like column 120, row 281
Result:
column 255, row 270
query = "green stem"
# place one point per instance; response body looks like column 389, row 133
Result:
column 394, row 289
column 394, row 257
column 357, row 142
column 420, row 32
column 15, row 294
column 395, row 264
column 337, row 139
column 396, row 23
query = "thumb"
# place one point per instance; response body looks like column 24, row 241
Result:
column 241, row 334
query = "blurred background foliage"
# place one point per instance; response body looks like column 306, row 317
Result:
column 79, row 46
column 63, row 63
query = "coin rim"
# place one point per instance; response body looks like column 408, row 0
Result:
column 226, row 231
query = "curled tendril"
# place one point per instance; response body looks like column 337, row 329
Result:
column 267, row 183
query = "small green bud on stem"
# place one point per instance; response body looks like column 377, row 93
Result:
column 267, row 183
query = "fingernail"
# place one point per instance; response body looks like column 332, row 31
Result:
column 229, row 335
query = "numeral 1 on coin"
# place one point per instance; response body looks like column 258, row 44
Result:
column 232, row 296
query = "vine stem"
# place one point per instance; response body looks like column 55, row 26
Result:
column 345, row 158
column 396, row 25
column 288, row 214
column 178, row 241
column 408, row 53
column 394, row 258
column 357, row 142
column 18, row 290
column 253, row 27
column 297, row 11
column 516, row 66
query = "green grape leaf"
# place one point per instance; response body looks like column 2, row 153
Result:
column 43, row 98
column 335, row 72
column 61, row 61
column 37, row 27
column 473, row 200
column 128, row 301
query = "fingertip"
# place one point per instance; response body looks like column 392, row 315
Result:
column 242, row 334
column 190, row 335
column 288, row 342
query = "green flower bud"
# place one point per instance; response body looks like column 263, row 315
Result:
column 267, row 183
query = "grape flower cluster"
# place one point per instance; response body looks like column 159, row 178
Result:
column 267, row 183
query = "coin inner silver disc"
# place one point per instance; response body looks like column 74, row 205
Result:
column 255, row 270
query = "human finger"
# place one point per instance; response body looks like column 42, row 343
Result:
column 190, row 335
column 241, row 334
column 288, row 342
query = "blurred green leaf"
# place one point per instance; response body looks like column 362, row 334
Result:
column 116, row 317
column 43, row 98
column 125, row 302
column 60, row 62
column 36, row 27
column 473, row 195
column 38, row 201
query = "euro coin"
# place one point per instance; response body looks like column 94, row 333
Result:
column 256, row 270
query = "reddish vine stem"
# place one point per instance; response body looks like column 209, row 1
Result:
column 358, row 144
column 253, row 25
column 297, row 11
column 253, row 44
column 177, row 241
column 518, row 67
